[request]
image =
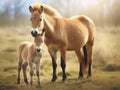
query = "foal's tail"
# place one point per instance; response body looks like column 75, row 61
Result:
column 85, row 56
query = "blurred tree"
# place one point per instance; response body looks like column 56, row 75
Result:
column 12, row 12
column 114, row 13
column 66, row 8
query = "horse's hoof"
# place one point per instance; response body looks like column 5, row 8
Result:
column 39, row 86
column 89, row 76
column 53, row 80
column 64, row 81
column 80, row 77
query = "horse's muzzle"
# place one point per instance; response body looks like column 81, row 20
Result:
column 34, row 33
column 38, row 49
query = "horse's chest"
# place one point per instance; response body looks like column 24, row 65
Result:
column 54, row 44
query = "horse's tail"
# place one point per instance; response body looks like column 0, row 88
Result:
column 85, row 56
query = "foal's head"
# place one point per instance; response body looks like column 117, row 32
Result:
column 36, row 19
column 38, row 43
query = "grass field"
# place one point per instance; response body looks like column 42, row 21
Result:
column 105, row 69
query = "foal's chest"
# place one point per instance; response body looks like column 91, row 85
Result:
column 36, row 59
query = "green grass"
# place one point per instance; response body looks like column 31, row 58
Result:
column 106, row 63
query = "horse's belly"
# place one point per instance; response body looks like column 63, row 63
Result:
column 76, row 42
column 74, row 46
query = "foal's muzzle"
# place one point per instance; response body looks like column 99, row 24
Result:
column 38, row 49
column 34, row 33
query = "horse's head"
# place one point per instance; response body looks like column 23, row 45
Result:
column 38, row 43
column 36, row 19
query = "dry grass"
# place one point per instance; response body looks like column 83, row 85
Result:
column 106, row 63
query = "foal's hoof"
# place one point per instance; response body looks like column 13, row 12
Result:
column 18, row 82
column 26, row 82
column 31, row 83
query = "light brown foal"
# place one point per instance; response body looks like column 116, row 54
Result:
column 61, row 34
column 29, row 53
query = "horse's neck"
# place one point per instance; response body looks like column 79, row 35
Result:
column 49, row 23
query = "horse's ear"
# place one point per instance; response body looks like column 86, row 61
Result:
column 41, row 9
column 31, row 9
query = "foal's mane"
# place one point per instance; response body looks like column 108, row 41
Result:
column 47, row 9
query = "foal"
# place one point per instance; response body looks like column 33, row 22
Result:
column 29, row 53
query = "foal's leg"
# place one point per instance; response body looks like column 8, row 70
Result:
column 81, row 62
column 19, row 69
column 37, row 72
column 25, row 64
column 63, row 63
column 31, row 71
column 52, row 53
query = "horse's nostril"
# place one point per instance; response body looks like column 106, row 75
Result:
column 38, row 49
column 34, row 33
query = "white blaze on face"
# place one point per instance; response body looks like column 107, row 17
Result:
column 34, row 30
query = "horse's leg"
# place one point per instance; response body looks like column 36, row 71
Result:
column 89, row 58
column 37, row 72
column 63, row 63
column 81, row 62
column 25, row 64
column 19, row 69
column 52, row 53
column 31, row 72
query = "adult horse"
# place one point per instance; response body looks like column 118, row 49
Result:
column 63, row 34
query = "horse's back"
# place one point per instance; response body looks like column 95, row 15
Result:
column 88, row 22
column 23, row 49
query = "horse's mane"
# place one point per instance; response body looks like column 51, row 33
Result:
column 47, row 9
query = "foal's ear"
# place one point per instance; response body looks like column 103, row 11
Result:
column 31, row 9
column 41, row 9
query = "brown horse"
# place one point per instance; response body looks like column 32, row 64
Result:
column 29, row 53
column 63, row 34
